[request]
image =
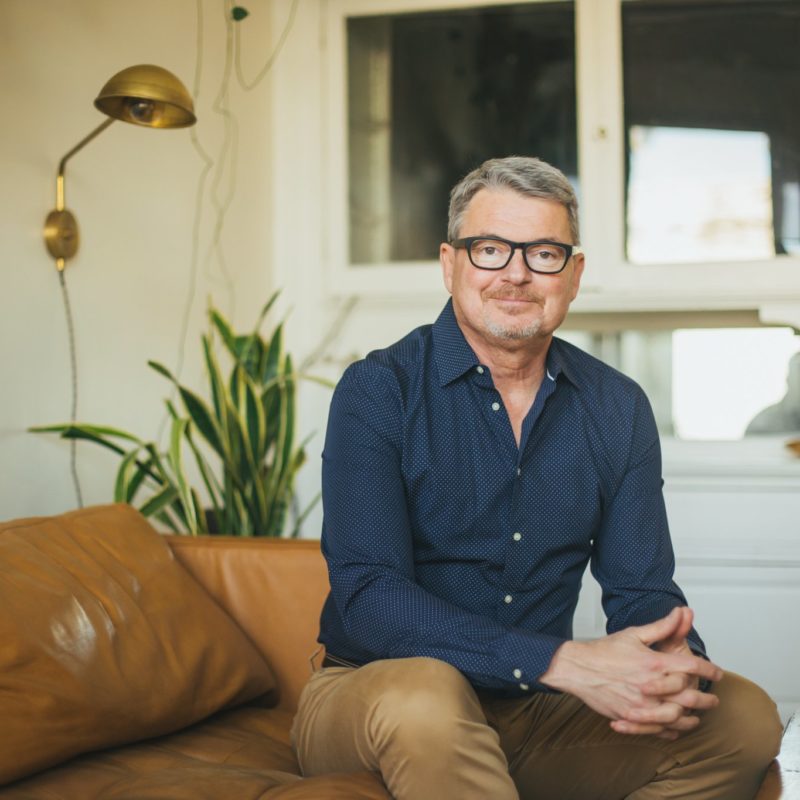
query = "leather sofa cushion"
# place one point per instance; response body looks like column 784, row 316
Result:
column 242, row 753
column 106, row 639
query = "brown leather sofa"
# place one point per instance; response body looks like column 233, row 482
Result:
column 135, row 665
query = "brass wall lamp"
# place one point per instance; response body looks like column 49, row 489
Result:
column 142, row 95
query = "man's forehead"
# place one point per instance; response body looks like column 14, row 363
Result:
column 488, row 203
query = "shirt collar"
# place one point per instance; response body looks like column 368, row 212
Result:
column 559, row 363
column 454, row 356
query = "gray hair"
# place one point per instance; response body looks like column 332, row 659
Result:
column 523, row 174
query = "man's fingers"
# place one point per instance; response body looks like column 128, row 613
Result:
column 688, row 664
column 661, row 629
column 685, row 723
column 669, row 731
column 662, row 714
column 694, row 699
column 670, row 684
column 639, row 729
column 686, row 622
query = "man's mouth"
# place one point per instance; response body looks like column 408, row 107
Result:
column 513, row 298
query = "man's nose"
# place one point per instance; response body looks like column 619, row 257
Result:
column 516, row 270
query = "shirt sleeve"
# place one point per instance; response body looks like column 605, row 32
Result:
column 633, row 560
column 368, row 543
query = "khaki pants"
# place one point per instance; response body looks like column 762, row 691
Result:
column 421, row 725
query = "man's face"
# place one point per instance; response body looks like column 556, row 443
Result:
column 513, row 303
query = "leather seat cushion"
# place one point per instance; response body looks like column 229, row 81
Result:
column 242, row 753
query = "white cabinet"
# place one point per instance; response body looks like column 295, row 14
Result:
column 734, row 512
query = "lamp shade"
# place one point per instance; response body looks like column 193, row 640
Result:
column 147, row 95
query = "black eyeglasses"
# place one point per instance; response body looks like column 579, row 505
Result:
column 542, row 256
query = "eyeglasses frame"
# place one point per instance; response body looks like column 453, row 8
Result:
column 466, row 244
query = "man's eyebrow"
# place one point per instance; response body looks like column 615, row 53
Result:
column 554, row 239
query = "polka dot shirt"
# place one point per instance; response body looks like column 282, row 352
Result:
column 445, row 539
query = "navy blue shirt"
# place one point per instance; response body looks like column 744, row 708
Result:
column 445, row 539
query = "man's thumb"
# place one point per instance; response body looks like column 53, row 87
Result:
column 660, row 629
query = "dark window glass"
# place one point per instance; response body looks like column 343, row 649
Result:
column 712, row 113
column 432, row 95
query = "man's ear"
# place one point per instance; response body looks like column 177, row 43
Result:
column 447, row 258
column 578, row 263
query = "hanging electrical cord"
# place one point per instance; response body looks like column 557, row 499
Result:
column 223, row 163
column 271, row 60
column 73, row 360
column 226, row 159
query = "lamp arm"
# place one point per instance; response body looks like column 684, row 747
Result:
column 61, row 227
column 63, row 163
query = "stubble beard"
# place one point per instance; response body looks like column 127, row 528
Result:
column 512, row 332
column 509, row 331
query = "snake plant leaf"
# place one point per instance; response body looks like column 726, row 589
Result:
column 125, row 475
column 162, row 370
column 224, row 329
column 265, row 309
column 250, row 354
column 256, row 421
column 273, row 357
column 202, row 417
column 197, row 410
column 219, row 394
column 143, row 471
column 82, row 430
column 289, row 405
column 175, row 460
column 159, row 501
column 210, row 480
column 160, row 467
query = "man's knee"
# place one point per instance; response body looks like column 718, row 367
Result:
column 747, row 722
column 425, row 702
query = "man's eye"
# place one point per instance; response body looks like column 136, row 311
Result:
column 543, row 254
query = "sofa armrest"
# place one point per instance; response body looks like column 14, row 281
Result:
column 273, row 588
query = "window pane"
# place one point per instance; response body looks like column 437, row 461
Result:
column 710, row 384
column 431, row 95
column 712, row 122
column 729, row 383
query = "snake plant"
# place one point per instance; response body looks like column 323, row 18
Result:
column 241, row 439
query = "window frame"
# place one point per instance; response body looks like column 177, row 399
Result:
column 610, row 281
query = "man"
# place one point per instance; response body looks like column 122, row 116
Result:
column 470, row 473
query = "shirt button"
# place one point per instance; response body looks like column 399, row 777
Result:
column 479, row 370
column 495, row 406
column 524, row 687
column 508, row 598
column 517, row 536
column 517, row 673
column 519, row 472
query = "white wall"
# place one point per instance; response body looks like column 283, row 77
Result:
column 133, row 191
